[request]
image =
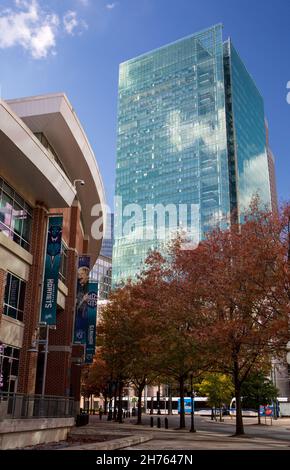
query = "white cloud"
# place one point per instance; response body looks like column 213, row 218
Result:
column 70, row 22
column 34, row 29
column 28, row 27
column 73, row 24
column 110, row 6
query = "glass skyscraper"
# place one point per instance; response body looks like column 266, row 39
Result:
column 191, row 133
column 108, row 240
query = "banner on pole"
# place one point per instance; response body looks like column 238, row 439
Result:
column 86, row 304
column 92, row 319
column 51, row 270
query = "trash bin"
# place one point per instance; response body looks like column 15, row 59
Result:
column 82, row 419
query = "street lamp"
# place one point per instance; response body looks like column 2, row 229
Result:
column 158, row 400
column 192, row 428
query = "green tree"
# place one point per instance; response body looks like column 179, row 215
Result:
column 244, row 287
column 258, row 390
column 218, row 388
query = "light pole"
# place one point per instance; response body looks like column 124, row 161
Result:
column 158, row 400
column 1, row 364
column 192, row 428
column 145, row 397
column 45, row 361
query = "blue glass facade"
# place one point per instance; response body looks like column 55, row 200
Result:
column 173, row 143
column 108, row 240
column 252, row 170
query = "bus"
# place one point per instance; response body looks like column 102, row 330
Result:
column 269, row 410
column 201, row 405
column 245, row 411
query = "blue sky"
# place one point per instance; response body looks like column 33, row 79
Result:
column 76, row 46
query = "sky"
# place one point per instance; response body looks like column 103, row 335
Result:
column 76, row 46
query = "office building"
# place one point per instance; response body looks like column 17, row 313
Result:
column 192, row 139
column 47, row 167
column 108, row 240
column 272, row 173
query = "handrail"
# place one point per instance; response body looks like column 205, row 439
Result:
column 19, row 405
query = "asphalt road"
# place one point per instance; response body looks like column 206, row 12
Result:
column 279, row 429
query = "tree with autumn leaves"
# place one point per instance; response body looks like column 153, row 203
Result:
column 129, row 334
column 222, row 308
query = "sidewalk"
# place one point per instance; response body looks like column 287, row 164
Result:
column 132, row 437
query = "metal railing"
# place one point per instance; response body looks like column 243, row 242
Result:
column 20, row 406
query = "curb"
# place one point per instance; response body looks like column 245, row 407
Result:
column 113, row 444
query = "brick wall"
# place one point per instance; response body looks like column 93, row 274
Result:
column 28, row 360
column 59, row 367
column 62, row 375
column 60, row 342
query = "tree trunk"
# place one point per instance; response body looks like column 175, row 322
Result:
column 120, row 409
column 181, row 393
column 105, row 404
column 115, row 402
column 259, row 415
column 239, row 418
column 170, row 401
column 139, row 406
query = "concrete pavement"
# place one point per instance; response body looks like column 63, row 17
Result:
column 129, row 436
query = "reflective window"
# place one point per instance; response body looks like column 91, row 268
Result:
column 250, row 135
column 15, row 216
column 102, row 273
column 172, row 142
column 14, row 297
column 42, row 138
column 9, row 366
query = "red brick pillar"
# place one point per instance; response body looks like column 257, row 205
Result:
column 78, row 355
column 60, row 339
column 28, row 360
column 58, row 377
column 2, row 290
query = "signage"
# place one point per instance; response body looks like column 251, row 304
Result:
column 86, row 309
column 92, row 319
column 187, row 405
column 51, row 270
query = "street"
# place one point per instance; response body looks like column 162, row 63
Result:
column 280, row 429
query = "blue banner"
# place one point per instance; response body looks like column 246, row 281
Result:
column 92, row 302
column 86, row 305
column 51, row 270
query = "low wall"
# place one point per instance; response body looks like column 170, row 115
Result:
column 20, row 433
